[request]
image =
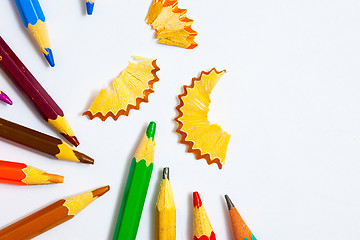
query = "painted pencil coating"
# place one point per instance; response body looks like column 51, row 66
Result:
column 31, row 88
column 136, row 187
column 240, row 230
column 165, row 212
column 201, row 226
column 4, row 97
column 22, row 174
column 41, row 142
column 50, row 216
column 34, row 20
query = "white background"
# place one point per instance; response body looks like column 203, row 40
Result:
column 290, row 99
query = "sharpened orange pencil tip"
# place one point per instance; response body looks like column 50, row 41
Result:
column 54, row 178
column 100, row 191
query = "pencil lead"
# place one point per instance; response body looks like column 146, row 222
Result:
column 90, row 7
column 150, row 131
column 72, row 139
column 49, row 57
column 5, row 98
column 54, row 178
column 100, row 191
column 229, row 202
column 166, row 173
column 196, row 200
column 83, row 158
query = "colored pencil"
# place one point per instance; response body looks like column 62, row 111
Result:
column 90, row 6
column 165, row 212
column 50, row 216
column 22, row 174
column 136, row 187
column 34, row 20
column 201, row 225
column 239, row 227
column 41, row 142
column 30, row 87
column 5, row 98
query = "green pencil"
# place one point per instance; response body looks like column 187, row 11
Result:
column 136, row 187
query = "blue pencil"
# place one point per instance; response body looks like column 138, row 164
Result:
column 34, row 20
column 90, row 6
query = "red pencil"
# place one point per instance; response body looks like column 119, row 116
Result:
column 30, row 87
column 202, row 227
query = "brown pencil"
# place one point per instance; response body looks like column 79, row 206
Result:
column 50, row 216
column 41, row 142
column 240, row 229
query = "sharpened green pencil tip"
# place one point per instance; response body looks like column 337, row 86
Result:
column 150, row 131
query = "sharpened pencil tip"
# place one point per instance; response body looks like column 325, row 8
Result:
column 166, row 173
column 197, row 200
column 100, row 191
column 49, row 57
column 5, row 98
column 83, row 158
column 229, row 202
column 72, row 139
column 90, row 7
column 54, row 178
column 151, row 129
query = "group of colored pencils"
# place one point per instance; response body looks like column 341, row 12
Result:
column 165, row 212
column 21, row 173
column 33, row 18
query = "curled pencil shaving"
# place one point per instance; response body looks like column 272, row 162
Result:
column 204, row 139
column 127, row 91
column 171, row 24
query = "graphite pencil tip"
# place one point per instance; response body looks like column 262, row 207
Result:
column 90, row 7
column 151, row 129
column 50, row 57
column 5, row 98
column 100, row 191
column 54, row 178
column 83, row 158
column 72, row 139
column 229, row 202
column 166, row 173
column 197, row 200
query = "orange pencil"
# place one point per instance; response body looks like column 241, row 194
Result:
column 202, row 228
column 22, row 174
column 50, row 216
column 240, row 229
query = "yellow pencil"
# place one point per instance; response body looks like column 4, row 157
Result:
column 165, row 212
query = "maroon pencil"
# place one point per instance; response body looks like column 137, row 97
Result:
column 29, row 86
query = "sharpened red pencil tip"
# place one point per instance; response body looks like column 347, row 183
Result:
column 72, row 139
column 197, row 200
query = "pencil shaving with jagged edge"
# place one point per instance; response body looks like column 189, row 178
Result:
column 204, row 139
column 127, row 91
column 171, row 24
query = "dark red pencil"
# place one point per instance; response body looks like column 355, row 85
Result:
column 29, row 86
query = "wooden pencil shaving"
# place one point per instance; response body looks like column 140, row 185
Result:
column 171, row 25
column 204, row 139
column 127, row 91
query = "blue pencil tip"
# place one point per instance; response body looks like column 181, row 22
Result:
column 90, row 7
column 49, row 57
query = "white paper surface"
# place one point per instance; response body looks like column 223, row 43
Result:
column 290, row 100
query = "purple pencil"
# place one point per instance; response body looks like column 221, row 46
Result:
column 5, row 98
